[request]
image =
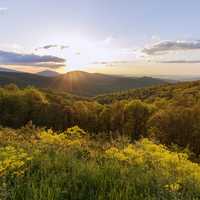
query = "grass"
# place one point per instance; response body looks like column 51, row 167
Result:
column 47, row 166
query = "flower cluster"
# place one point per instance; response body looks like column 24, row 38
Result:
column 174, row 168
column 12, row 161
column 72, row 137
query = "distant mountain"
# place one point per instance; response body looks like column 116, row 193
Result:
column 88, row 84
column 170, row 92
column 177, row 78
column 2, row 69
column 80, row 83
column 24, row 79
column 48, row 73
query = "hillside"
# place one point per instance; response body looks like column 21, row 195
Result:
column 24, row 79
column 48, row 73
column 78, row 82
column 3, row 69
column 167, row 91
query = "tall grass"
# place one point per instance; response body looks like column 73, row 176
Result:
column 71, row 166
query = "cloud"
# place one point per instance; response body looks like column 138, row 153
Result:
column 112, row 62
column 50, row 46
column 12, row 58
column 181, row 61
column 3, row 10
column 78, row 53
column 164, row 47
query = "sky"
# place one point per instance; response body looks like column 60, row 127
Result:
column 129, row 37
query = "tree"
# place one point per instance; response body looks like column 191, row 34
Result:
column 117, row 116
column 179, row 125
column 136, row 115
column 104, row 118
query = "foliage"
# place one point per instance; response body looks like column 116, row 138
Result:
column 136, row 117
column 167, row 113
column 178, row 125
column 12, row 160
column 173, row 169
column 50, row 165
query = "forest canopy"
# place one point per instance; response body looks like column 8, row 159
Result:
column 169, row 114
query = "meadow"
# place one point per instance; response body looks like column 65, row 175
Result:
column 41, row 164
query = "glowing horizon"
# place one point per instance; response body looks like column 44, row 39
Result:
column 99, row 36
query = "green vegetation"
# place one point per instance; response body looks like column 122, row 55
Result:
column 171, row 117
column 183, row 91
column 38, row 164
column 140, row 144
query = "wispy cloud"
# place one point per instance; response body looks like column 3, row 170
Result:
column 13, row 58
column 181, row 61
column 3, row 9
column 165, row 46
column 112, row 62
column 50, row 46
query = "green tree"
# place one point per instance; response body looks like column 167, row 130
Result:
column 104, row 118
column 136, row 115
column 179, row 125
column 117, row 116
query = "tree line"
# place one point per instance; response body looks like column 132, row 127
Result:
column 169, row 120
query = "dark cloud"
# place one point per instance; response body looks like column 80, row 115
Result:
column 52, row 46
column 12, row 58
column 165, row 46
column 181, row 61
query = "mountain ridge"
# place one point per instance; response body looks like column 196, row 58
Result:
column 4, row 69
column 79, row 82
column 48, row 73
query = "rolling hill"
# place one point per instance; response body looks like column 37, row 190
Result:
column 48, row 73
column 3, row 69
column 79, row 82
column 178, row 90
